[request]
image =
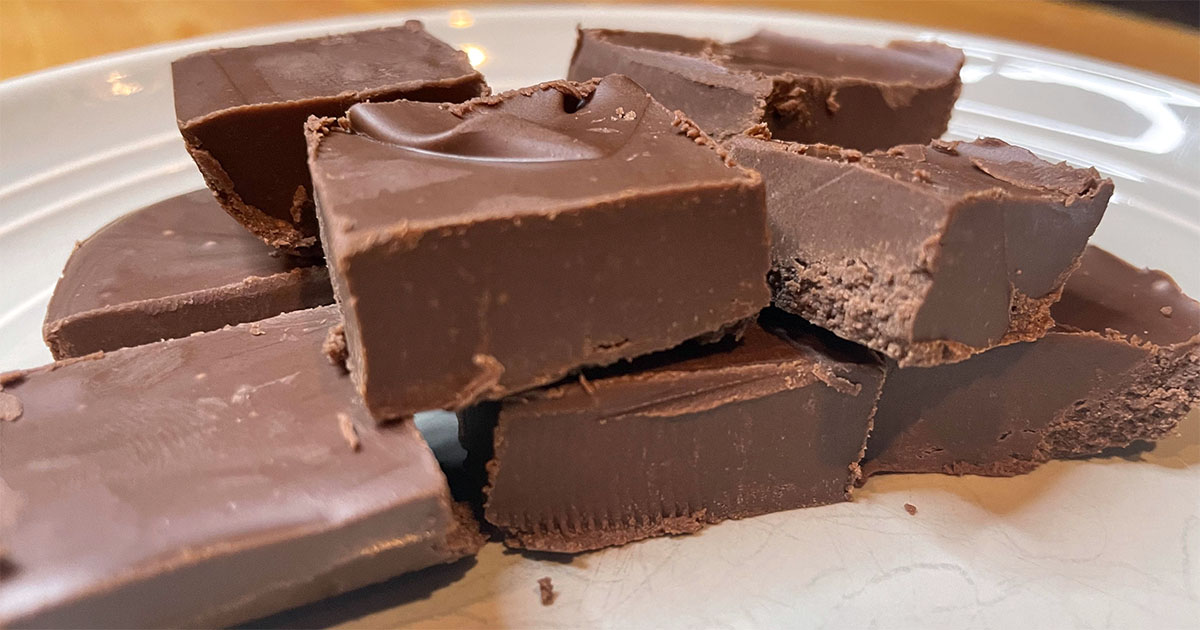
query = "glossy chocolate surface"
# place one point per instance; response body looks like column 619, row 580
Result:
column 487, row 248
column 242, row 112
column 1123, row 364
column 677, row 440
column 207, row 481
column 804, row 90
column 171, row 269
column 926, row 253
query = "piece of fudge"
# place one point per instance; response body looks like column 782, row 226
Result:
column 488, row 248
column 926, row 253
column 1123, row 364
column 242, row 112
column 206, row 481
column 804, row 90
column 677, row 440
column 171, row 269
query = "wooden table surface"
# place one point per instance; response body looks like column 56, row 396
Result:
column 37, row 34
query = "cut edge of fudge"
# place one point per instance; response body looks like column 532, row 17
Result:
column 407, row 233
column 1112, row 410
column 1150, row 407
column 818, row 360
column 297, row 234
column 884, row 310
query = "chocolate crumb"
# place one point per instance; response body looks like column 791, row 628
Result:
column 1166, row 311
column 587, row 385
column 10, row 407
column 759, row 130
column 256, row 330
column 546, row 587
column 335, row 346
column 831, row 103
column 911, row 509
column 349, row 432
column 11, row 378
column 922, row 175
column 949, row 148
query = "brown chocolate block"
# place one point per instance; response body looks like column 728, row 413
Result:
column 242, row 112
column 484, row 249
column 206, row 481
column 804, row 90
column 928, row 254
column 171, row 269
column 678, row 440
column 1114, row 370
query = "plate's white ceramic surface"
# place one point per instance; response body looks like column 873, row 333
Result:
column 1103, row 542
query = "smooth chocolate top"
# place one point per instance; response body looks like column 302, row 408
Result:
column 205, row 481
column 180, row 245
column 531, row 151
column 1108, row 294
column 781, row 352
column 958, row 167
column 361, row 61
column 1039, row 244
column 901, row 63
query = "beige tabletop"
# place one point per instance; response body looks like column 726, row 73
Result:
column 38, row 34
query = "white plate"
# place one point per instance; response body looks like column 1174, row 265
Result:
column 1103, row 542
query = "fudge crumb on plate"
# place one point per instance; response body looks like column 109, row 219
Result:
column 546, row 588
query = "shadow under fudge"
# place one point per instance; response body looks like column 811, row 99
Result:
column 360, row 603
column 926, row 253
column 488, row 248
column 803, row 90
column 242, row 110
column 1121, row 365
column 670, row 442
column 171, row 269
column 207, row 481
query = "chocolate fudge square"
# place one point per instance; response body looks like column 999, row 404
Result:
column 171, row 269
column 1122, row 364
column 483, row 249
column 242, row 112
column 926, row 253
column 207, row 481
column 678, row 440
column 803, row 90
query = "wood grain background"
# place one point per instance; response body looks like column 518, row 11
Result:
column 37, row 34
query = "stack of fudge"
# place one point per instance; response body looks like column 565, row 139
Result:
column 693, row 281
